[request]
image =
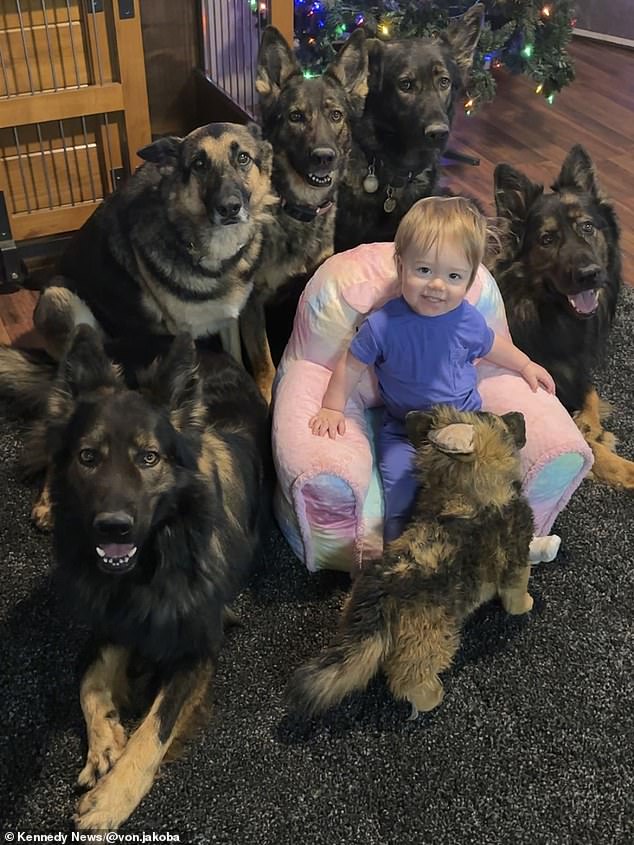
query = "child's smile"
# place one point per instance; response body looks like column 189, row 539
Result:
column 434, row 283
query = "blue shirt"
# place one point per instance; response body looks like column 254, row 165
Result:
column 423, row 361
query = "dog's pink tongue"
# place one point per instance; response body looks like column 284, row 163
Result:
column 585, row 302
column 117, row 549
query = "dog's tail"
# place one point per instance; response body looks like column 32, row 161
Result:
column 25, row 380
column 345, row 667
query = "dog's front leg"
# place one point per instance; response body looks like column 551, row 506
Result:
column 103, row 688
column 253, row 331
column 513, row 591
column 120, row 791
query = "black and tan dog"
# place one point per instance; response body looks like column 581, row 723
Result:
column 175, row 249
column 414, row 88
column 560, row 276
column 308, row 122
column 468, row 540
column 157, row 496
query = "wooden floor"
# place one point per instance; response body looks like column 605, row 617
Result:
column 518, row 127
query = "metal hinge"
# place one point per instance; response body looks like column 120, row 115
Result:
column 9, row 258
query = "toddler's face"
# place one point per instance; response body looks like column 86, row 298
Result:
column 436, row 282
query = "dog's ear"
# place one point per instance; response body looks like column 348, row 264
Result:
column 514, row 196
column 418, row 425
column 276, row 64
column 516, row 424
column 165, row 152
column 84, row 368
column 463, row 35
column 577, row 172
column 350, row 67
column 177, row 386
column 376, row 58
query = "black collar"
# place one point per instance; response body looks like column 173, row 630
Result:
column 305, row 213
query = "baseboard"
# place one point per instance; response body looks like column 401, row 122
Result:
column 600, row 36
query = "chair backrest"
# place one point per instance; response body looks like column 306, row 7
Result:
column 347, row 287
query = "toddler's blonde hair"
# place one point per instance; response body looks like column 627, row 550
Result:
column 435, row 220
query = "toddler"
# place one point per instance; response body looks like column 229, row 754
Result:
column 424, row 343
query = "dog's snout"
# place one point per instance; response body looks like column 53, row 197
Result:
column 323, row 157
column 589, row 277
column 114, row 526
column 437, row 132
column 229, row 207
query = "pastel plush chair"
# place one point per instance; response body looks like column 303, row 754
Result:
column 328, row 500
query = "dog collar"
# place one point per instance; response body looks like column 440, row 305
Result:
column 306, row 213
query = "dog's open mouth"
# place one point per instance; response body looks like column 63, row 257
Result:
column 317, row 181
column 116, row 557
column 585, row 303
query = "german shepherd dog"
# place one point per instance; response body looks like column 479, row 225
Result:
column 308, row 122
column 560, row 276
column 175, row 249
column 157, row 497
column 467, row 541
column 414, row 86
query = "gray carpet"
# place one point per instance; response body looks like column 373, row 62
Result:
column 534, row 742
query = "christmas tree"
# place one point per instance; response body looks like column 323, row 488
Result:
column 525, row 36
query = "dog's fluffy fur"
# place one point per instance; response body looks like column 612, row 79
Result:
column 467, row 541
column 560, row 276
column 414, row 86
column 157, row 496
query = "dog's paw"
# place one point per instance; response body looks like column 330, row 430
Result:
column 517, row 604
column 41, row 516
column 607, row 439
column 105, row 807
column 104, row 752
column 425, row 697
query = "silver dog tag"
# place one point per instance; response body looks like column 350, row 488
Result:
column 389, row 205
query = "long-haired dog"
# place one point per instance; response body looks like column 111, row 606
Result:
column 413, row 89
column 157, row 496
column 174, row 249
column 560, row 276
column 309, row 124
column 467, row 541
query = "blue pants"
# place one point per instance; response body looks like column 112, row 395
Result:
column 396, row 465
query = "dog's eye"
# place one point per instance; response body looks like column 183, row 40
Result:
column 296, row 116
column 587, row 228
column 444, row 82
column 199, row 163
column 88, row 457
column 405, row 84
column 149, row 458
column 546, row 238
column 336, row 116
column 244, row 159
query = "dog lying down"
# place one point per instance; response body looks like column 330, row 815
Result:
column 468, row 541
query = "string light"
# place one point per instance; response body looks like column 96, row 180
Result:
column 527, row 52
column 551, row 99
column 545, row 12
column 539, row 88
column 385, row 30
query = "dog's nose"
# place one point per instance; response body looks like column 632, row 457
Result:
column 589, row 277
column 437, row 132
column 116, row 525
column 322, row 157
column 229, row 207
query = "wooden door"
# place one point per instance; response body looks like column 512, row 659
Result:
column 73, row 108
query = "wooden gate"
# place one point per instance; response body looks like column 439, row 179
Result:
column 73, row 110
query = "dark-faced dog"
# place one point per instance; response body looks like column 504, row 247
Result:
column 414, row 86
column 467, row 541
column 157, row 497
column 560, row 276
column 308, row 122
column 175, row 249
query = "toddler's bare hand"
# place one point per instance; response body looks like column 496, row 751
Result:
column 535, row 375
column 328, row 422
